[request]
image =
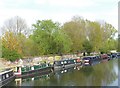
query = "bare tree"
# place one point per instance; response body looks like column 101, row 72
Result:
column 16, row 25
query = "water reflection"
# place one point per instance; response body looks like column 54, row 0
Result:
column 102, row 74
column 31, row 81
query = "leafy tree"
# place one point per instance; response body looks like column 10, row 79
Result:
column 63, row 42
column 87, row 46
column 9, row 40
column 11, row 55
column 95, row 35
column 49, row 37
column 75, row 29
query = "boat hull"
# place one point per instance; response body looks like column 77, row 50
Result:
column 6, row 81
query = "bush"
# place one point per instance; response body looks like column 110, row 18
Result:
column 11, row 55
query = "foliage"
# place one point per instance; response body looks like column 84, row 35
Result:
column 87, row 46
column 50, row 37
column 11, row 55
column 75, row 30
column 10, row 41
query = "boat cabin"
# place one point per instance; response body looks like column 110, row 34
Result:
column 6, row 76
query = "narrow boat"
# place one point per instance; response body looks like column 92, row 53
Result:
column 6, row 76
column 27, row 71
column 118, row 55
column 104, row 58
column 90, row 60
column 114, row 55
column 68, row 63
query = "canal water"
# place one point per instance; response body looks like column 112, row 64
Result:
column 100, row 74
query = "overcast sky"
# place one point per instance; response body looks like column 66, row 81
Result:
column 59, row 10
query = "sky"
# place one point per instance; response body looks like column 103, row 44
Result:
column 59, row 10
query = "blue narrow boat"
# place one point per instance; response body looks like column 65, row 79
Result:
column 90, row 60
column 6, row 76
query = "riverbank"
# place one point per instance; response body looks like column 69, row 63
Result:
column 6, row 64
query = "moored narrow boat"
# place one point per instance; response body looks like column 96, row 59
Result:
column 6, row 76
column 118, row 55
column 68, row 63
column 90, row 60
column 26, row 71
column 104, row 58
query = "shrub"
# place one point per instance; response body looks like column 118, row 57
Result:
column 11, row 55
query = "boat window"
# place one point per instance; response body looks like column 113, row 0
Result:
column 7, row 75
column 47, row 65
column 32, row 68
column 61, row 62
column 65, row 62
column 3, row 77
column 55, row 62
column 74, row 60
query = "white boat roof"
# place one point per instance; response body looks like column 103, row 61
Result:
column 5, row 71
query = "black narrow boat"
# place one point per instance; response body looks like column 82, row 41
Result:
column 69, row 63
column 6, row 76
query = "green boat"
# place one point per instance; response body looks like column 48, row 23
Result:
column 27, row 71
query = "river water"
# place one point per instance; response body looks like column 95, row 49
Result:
column 100, row 74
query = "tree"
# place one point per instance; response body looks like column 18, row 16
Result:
column 9, row 40
column 75, row 29
column 43, row 35
column 100, row 35
column 17, row 25
column 95, row 35
column 49, row 37
column 63, row 42
column 87, row 46
column 11, row 55
column 15, row 33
